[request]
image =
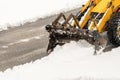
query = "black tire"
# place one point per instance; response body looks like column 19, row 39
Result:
column 113, row 25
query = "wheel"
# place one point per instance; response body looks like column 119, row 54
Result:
column 113, row 30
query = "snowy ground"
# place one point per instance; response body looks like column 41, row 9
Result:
column 17, row 12
column 73, row 61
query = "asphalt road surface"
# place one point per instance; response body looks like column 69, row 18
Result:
column 25, row 43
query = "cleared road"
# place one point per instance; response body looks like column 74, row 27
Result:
column 25, row 43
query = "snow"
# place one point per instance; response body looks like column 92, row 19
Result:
column 17, row 12
column 73, row 61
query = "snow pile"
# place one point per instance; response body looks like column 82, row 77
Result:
column 17, row 12
column 73, row 61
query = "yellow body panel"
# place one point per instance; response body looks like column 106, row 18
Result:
column 97, row 1
column 116, row 4
column 101, row 25
column 86, row 18
column 105, row 7
column 101, row 6
column 85, row 6
column 87, row 15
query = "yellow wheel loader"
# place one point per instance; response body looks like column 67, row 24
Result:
column 93, row 19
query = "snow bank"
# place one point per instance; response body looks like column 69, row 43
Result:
column 17, row 12
column 73, row 61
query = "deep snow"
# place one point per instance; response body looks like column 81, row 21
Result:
column 17, row 12
column 73, row 61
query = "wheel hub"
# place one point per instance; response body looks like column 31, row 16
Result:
column 118, row 31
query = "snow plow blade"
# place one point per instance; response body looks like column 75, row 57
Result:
column 93, row 19
column 59, row 34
